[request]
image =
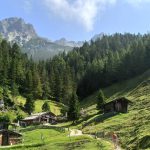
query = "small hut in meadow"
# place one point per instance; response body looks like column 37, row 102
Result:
column 8, row 137
column 117, row 105
column 38, row 118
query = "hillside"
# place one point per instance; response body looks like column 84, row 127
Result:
column 56, row 138
column 55, row 107
column 40, row 48
column 133, row 127
column 17, row 109
column 115, row 62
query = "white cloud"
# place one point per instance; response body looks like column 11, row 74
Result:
column 83, row 12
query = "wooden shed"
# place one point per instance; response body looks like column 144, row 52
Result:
column 8, row 137
column 38, row 118
column 117, row 105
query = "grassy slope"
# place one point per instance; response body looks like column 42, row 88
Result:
column 19, row 101
column 56, row 140
column 55, row 107
column 133, row 127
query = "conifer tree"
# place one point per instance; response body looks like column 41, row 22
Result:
column 46, row 89
column 52, row 82
column 58, row 88
column 29, row 83
column 29, row 105
column 37, row 86
column 74, row 109
column 45, row 107
column 100, row 100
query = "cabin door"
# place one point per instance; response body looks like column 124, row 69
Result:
column 118, row 107
column 5, row 139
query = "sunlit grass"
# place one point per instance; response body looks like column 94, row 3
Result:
column 131, row 127
column 50, row 139
column 55, row 107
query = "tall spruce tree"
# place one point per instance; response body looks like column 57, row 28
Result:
column 29, row 105
column 100, row 100
column 45, row 107
column 74, row 108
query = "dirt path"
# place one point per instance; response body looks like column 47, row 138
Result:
column 75, row 132
column 118, row 148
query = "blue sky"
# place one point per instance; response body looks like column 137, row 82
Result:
column 80, row 19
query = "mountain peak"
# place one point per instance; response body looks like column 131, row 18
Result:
column 97, row 36
column 64, row 42
column 16, row 30
column 12, row 19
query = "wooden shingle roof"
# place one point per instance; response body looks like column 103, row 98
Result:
column 118, row 99
column 10, row 132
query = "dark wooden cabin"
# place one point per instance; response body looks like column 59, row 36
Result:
column 38, row 118
column 117, row 105
column 8, row 137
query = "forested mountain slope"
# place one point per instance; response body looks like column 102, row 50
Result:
column 132, row 127
column 114, row 63
column 99, row 64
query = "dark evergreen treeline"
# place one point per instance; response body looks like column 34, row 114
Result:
column 101, row 63
column 113, row 59
column 46, row 79
column 108, row 60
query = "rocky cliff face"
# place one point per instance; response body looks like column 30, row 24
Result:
column 64, row 42
column 16, row 30
column 97, row 36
